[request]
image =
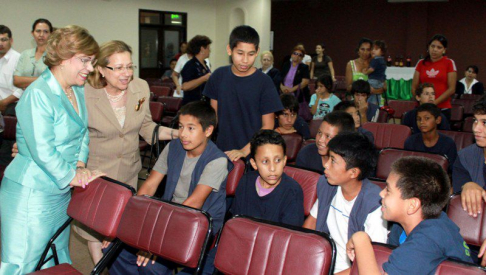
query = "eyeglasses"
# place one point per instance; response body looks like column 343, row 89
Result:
column 119, row 69
column 298, row 54
column 86, row 60
column 4, row 39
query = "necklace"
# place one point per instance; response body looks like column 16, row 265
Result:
column 69, row 95
column 115, row 98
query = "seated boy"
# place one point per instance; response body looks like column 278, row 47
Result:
column 288, row 121
column 429, row 140
column 196, row 176
column 425, row 93
column 350, row 108
column 361, row 91
column 314, row 156
column 417, row 190
column 268, row 193
column 347, row 202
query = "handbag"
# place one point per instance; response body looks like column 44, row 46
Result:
column 304, row 110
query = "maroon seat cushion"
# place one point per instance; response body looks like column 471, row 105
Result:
column 472, row 230
column 157, row 110
column 100, row 205
column 462, row 139
column 62, row 269
column 308, row 182
column 294, row 143
column 170, row 231
column 251, row 247
column 389, row 155
column 388, row 135
column 458, row 268
column 234, row 177
column 380, row 182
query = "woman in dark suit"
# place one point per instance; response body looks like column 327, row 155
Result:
column 296, row 76
column 469, row 84
column 268, row 69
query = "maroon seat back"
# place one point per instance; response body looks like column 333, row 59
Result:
column 380, row 182
column 308, row 182
column 294, row 143
column 462, row 139
column 467, row 103
column 10, row 131
column 401, row 106
column 388, row 135
column 458, row 268
column 171, row 104
column 100, row 205
column 467, row 126
column 307, row 142
column 340, row 83
column 248, row 246
column 168, row 230
column 157, row 110
column 382, row 253
column 472, row 230
column 161, row 90
column 314, row 127
column 471, row 96
column 234, row 177
column 383, row 116
column 457, row 116
column 153, row 81
column 168, row 83
column 389, row 155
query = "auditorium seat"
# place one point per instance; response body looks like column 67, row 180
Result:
column 234, row 177
column 314, row 127
column 168, row 230
column 471, row 96
column 308, row 181
column 294, row 143
column 380, row 182
column 161, row 91
column 252, row 246
column 448, row 267
column 388, row 135
column 401, row 106
column 383, row 116
column 99, row 206
column 473, row 230
column 389, row 155
column 467, row 103
column 157, row 110
column 340, row 83
column 467, row 126
column 457, row 117
column 462, row 139
column 171, row 107
column 307, row 142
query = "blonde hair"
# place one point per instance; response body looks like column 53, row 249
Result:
column 301, row 49
column 266, row 53
column 106, row 51
column 65, row 42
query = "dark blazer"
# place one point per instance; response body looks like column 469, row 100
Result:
column 274, row 74
column 477, row 88
column 302, row 72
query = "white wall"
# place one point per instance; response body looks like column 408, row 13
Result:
column 118, row 19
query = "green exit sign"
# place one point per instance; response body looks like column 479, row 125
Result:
column 175, row 16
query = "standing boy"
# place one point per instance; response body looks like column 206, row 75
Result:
column 244, row 98
column 196, row 176
column 429, row 140
column 315, row 155
column 417, row 190
column 347, row 202
column 268, row 193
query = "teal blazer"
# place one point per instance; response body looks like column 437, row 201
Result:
column 51, row 136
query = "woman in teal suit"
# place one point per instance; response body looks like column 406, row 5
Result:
column 52, row 140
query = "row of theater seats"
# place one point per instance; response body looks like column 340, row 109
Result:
column 245, row 246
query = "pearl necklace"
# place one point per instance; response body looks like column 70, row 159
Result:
column 115, row 98
column 70, row 95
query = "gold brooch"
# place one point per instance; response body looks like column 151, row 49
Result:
column 139, row 105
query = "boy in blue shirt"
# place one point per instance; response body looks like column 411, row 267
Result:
column 268, row 193
column 196, row 176
column 417, row 191
column 429, row 140
column 347, row 201
column 245, row 99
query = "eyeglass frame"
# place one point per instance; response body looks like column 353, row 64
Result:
column 85, row 62
column 122, row 68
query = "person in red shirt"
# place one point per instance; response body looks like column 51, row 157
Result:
column 439, row 70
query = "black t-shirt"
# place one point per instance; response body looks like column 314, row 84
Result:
column 309, row 158
column 242, row 101
column 192, row 70
column 445, row 146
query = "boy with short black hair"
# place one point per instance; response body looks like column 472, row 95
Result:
column 268, row 193
column 417, row 191
column 347, row 201
column 244, row 98
column 425, row 93
column 315, row 155
column 429, row 140
column 361, row 91
column 196, row 176
column 288, row 121
column 350, row 108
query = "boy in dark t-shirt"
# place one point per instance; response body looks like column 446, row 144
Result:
column 268, row 193
column 244, row 98
column 429, row 140
column 416, row 192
